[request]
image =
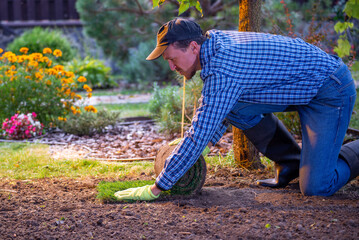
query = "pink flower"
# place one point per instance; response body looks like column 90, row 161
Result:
column 34, row 114
column 4, row 125
column 34, row 129
column 27, row 132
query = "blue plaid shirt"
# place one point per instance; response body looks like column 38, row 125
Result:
column 248, row 67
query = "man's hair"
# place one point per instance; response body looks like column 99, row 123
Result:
column 183, row 44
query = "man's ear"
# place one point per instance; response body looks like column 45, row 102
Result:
column 194, row 47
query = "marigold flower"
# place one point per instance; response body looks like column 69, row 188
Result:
column 57, row 53
column 59, row 68
column 51, row 71
column 91, row 108
column 39, row 75
column 36, row 56
column 68, row 91
column 62, row 119
column 66, row 80
column 24, row 50
column 1, row 50
column 69, row 74
column 47, row 51
column 33, row 64
column 48, row 82
column 89, row 95
column 87, row 88
column 21, row 58
column 12, row 58
column 81, row 79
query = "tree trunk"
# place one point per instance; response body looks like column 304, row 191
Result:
column 250, row 15
column 245, row 154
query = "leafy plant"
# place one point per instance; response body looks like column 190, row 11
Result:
column 344, row 47
column 88, row 123
column 166, row 104
column 38, row 38
column 98, row 75
column 29, row 83
column 165, row 107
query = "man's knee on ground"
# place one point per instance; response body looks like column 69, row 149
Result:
column 312, row 190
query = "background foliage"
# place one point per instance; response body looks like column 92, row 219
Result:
column 98, row 75
column 38, row 38
column 89, row 123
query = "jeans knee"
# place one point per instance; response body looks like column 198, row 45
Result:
column 311, row 190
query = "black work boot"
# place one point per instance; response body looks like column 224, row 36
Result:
column 271, row 138
column 350, row 154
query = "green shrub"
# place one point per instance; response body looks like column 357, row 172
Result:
column 88, row 123
column 165, row 107
column 166, row 104
column 29, row 83
column 38, row 38
column 140, row 71
column 98, row 75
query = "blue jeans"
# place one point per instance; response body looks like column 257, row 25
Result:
column 324, row 121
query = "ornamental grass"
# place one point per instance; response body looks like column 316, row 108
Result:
column 30, row 83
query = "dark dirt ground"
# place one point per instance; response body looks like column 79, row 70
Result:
column 230, row 206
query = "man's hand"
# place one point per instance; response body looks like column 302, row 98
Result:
column 204, row 153
column 141, row 193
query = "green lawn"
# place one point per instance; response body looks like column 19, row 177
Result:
column 27, row 161
column 127, row 110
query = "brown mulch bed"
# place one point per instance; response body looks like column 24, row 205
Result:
column 127, row 140
column 230, row 205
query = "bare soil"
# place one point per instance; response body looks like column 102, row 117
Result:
column 230, row 206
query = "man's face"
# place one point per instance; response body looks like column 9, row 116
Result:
column 182, row 61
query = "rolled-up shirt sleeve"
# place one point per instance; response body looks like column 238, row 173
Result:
column 207, row 125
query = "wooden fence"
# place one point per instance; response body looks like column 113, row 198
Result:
column 27, row 13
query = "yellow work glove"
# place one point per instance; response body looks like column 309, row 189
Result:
column 141, row 193
column 176, row 141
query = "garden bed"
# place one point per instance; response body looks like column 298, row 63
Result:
column 230, row 205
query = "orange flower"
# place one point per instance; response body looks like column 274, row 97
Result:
column 91, row 108
column 1, row 50
column 57, row 53
column 87, row 88
column 48, row 82
column 47, row 51
column 89, row 95
column 33, row 64
column 24, row 50
column 39, row 75
column 69, row 74
column 81, row 79
column 59, row 68
column 62, row 119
